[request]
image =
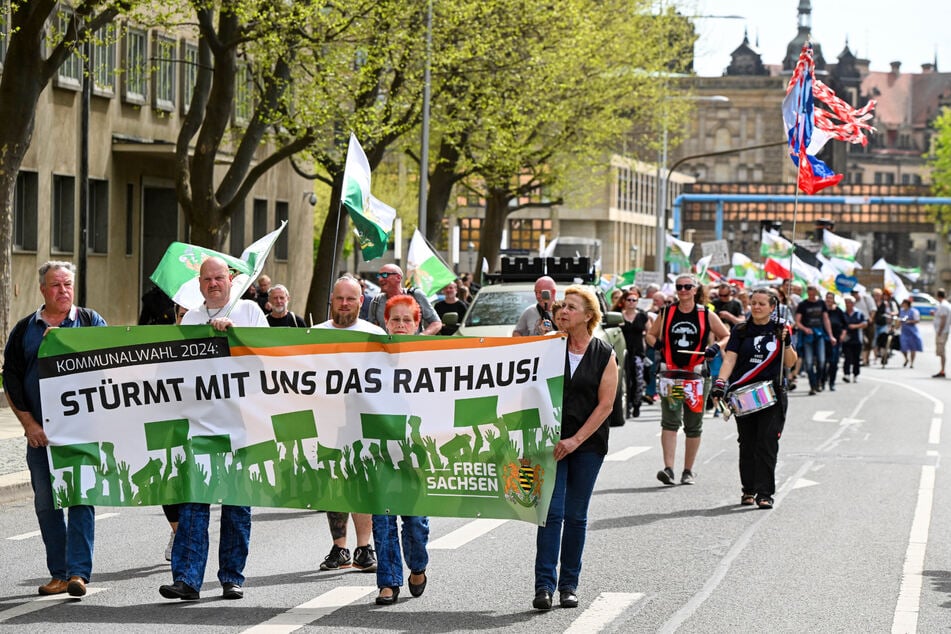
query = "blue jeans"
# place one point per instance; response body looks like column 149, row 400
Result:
column 190, row 550
column 814, row 357
column 68, row 546
column 574, row 483
column 386, row 538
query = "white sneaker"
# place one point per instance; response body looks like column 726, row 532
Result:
column 168, row 549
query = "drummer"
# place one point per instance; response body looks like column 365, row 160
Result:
column 751, row 364
column 681, row 334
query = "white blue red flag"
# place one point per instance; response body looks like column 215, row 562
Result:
column 808, row 128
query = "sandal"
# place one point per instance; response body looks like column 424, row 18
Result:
column 765, row 502
column 748, row 499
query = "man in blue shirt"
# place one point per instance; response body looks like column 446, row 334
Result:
column 69, row 547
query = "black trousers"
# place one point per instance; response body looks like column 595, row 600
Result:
column 758, row 437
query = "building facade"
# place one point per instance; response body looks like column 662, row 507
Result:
column 142, row 84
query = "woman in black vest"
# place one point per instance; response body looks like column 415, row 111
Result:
column 591, row 377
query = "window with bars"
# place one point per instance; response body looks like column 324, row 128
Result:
column 524, row 233
column 280, row 215
column 104, row 61
column 97, row 232
column 189, row 73
column 70, row 73
column 63, row 221
column 25, row 211
column 163, row 79
column 135, row 84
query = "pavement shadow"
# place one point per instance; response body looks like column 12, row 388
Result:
column 644, row 519
column 940, row 582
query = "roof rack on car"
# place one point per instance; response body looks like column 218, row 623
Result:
column 524, row 269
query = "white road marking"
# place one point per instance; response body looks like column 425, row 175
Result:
column 625, row 454
column 822, row 416
column 40, row 603
column 934, row 434
column 308, row 612
column 604, row 609
column 23, row 536
column 802, row 483
column 465, row 534
column 851, row 421
column 909, row 596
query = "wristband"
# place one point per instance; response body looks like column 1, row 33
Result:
column 720, row 383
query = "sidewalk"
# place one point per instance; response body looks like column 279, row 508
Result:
column 14, row 477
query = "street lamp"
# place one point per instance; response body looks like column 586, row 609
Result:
column 663, row 178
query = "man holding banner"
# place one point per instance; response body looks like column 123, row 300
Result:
column 69, row 546
column 190, row 550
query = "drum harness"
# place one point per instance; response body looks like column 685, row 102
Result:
column 779, row 384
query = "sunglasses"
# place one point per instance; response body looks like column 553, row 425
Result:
column 683, row 287
column 385, row 275
column 631, row 299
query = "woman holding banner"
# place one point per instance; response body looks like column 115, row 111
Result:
column 591, row 377
column 401, row 316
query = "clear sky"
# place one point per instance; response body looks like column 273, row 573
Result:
column 882, row 31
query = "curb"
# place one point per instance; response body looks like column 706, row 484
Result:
column 15, row 487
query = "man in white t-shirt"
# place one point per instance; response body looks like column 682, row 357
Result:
column 345, row 303
column 942, row 324
column 190, row 548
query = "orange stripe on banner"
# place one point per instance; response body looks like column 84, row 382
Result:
column 449, row 343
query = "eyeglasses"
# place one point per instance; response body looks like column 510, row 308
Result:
column 630, row 299
column 385, row 275
column 683, row 287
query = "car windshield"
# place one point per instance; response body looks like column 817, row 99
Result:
column 499, row 309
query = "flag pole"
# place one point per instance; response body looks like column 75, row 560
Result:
column 333, row 262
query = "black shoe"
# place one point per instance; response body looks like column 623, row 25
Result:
column 364, row 559
column 666, row 475
column 179, row 590
column 390, row 600
column 232, row 591
column 542, row 600
column 647, row 399
column 338, row 558
column 567, row 598
column 687, row 477
column 846, row 378
column 416, row 589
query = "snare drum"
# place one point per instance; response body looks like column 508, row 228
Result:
column 681, row 385
column 752, row 398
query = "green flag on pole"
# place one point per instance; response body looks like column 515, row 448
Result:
column 372, row 219
column 177, row 272
column 425, row 268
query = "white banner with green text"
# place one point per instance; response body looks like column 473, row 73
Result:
column 303, row 418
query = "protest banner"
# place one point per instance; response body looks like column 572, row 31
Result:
column 303, row 418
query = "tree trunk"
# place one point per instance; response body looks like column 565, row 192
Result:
column 24, row 79
column 329, row 253
column 441, row 182
column 490, row 242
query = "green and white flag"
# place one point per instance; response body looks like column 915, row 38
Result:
column 834, row 246
column 774, row 245
column 424, row 268
column 372, row 219
column 678, row 251
column 177, row 272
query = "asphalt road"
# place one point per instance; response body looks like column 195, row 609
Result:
column 858, row 542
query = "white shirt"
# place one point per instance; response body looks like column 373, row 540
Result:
column 244, row 313
column 942, row 317
column 360, row 325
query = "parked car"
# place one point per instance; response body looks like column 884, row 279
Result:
column 924, row 302
column 497, row 307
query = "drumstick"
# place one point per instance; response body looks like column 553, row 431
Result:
column 691, row 352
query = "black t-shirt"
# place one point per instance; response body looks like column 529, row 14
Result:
column 442, row 307
column 732, row 306
column 812, row 313
column 837, row 320
column 290, row 320
column 634, row 333
column 758, row 353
